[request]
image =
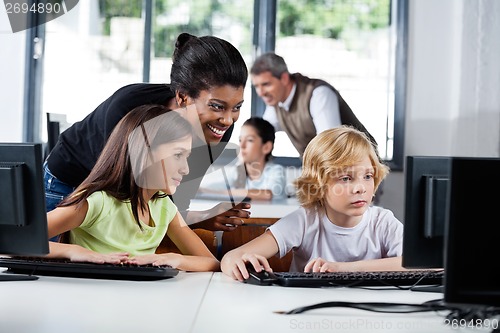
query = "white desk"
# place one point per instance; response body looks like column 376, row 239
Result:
column 70, row 305
column 250, row 308
column 276, row 208
column 198, row 302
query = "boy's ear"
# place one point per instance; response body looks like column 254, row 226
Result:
column 267, row 147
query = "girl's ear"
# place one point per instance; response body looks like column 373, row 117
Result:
column 267, row 147
column 181, row 99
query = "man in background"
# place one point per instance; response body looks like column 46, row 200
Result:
column 299, row 105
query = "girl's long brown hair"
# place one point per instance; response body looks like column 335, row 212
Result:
column 113, row 172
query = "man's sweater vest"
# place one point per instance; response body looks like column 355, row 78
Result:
column 297, row 122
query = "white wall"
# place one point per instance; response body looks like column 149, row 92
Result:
column 453, row 100
column 12, row 64
column 11, row 81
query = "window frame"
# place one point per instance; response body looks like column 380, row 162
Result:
column 33, row 73
column 265, row 41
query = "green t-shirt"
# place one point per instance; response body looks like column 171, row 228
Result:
column 109, row 226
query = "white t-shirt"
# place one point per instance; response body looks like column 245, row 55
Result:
column 310, row 234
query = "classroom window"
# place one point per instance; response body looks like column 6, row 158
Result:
column 100, row 46
column 351, row 45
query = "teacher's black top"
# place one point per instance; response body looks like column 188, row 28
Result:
column 79, row 146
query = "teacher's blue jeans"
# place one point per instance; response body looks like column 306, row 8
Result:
column 55, row 190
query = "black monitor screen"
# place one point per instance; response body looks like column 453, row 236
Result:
column 473, row 231
column 427, row 183
column 23, row 220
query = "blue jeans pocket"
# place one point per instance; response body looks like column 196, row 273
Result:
column 55, row 190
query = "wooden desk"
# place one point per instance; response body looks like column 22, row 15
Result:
column 207, row 236
column 200, row 303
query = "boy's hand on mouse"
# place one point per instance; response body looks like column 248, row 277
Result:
column 236, row 266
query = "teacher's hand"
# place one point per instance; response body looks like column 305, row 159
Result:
column 224, row 217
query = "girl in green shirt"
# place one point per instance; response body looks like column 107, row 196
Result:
column 121, row 212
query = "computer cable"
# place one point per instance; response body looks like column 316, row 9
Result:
column 381, row 307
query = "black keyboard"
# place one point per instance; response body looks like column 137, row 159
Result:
column 349, row 279
column 65, row 268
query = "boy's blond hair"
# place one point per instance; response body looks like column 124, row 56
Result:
column 331, row 152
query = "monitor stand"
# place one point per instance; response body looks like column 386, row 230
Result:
column 16, row 277
column 429, row 289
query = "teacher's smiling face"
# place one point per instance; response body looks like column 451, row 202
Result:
column 218, row 108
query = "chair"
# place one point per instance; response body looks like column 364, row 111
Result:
column 56, row 124
column 254, row 227
column 206, row 236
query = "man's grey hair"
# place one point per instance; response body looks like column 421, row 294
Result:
column 269, row 62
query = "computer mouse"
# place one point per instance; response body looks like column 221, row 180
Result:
column 262, row 278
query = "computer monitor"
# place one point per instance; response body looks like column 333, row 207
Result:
column 472, row 233
column 56, row 124
column 23, row 219
column 426, row 204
